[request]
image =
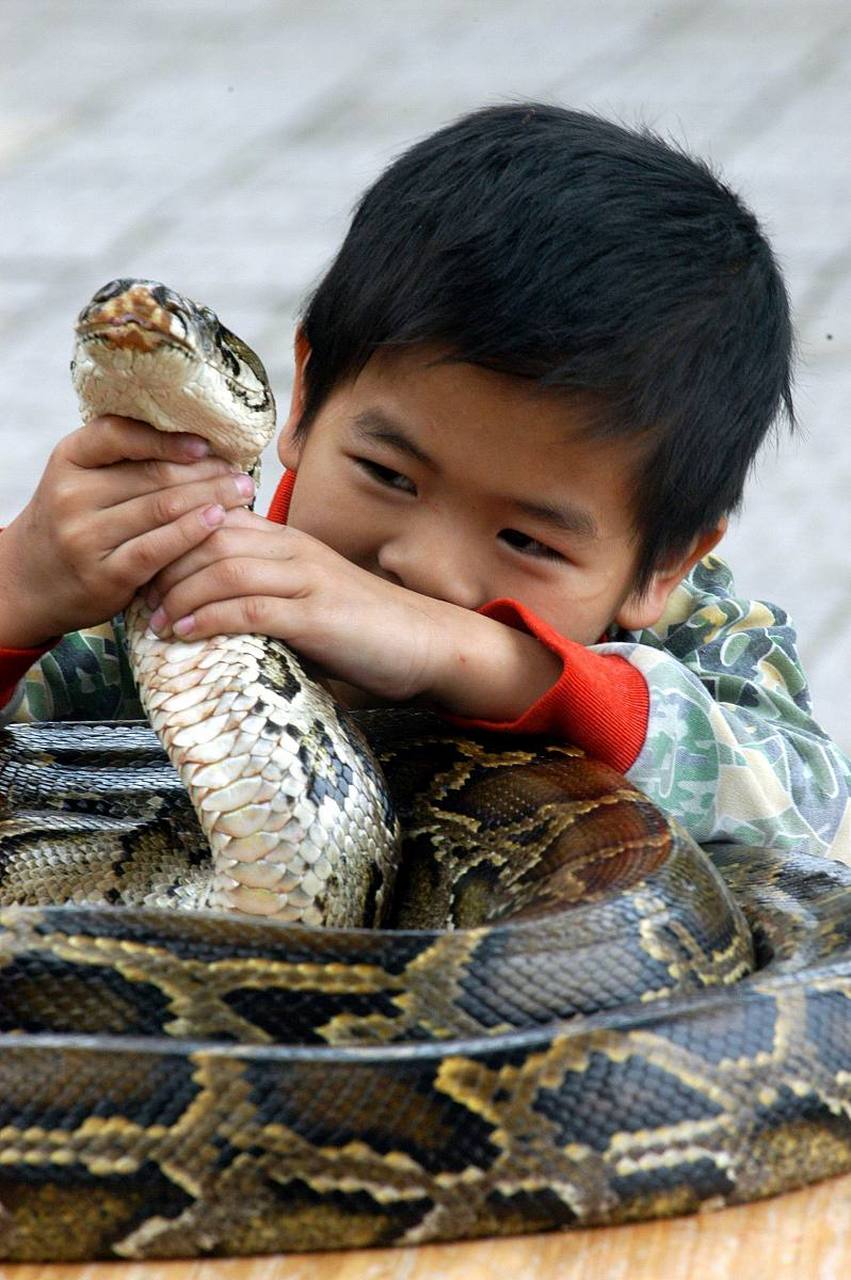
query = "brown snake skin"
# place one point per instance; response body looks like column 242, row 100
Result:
column 570, row 1016
column 183, row 1084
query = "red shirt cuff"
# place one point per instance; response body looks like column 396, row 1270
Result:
column 279, row 507
column 15, row 663
column 600, row 702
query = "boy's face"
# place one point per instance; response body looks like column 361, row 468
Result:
column 468, row 485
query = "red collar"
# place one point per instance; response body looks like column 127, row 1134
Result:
column 279, row 508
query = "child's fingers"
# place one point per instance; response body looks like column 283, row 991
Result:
column 111, row 439
column 244, row 535
column 162, row 507
column 251, row 615
column 241, row 579
column 140, row 559
column 124, row 481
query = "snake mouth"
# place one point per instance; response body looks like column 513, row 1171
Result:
column 133, row 332
column 134, row 318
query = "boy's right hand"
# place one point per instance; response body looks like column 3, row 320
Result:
column 118, row 501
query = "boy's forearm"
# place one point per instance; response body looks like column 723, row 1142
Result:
column 22, row 625
column 565, row 691
column 489, row 671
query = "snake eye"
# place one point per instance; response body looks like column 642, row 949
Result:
column 111, row 290
column 247, row 355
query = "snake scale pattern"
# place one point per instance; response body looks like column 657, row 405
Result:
column 564, row 1013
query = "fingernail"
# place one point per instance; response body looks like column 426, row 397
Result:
column 245, row 486
column 213, row 515
column 196, row 447
column 157, row 620
column 152, row 597
column 184, row 625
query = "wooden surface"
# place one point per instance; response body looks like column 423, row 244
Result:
column 802, row 1236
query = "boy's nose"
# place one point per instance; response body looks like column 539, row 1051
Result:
column 438, row 569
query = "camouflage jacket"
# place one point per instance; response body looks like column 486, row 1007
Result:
column 732, row 750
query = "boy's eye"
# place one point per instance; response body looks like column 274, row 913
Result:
column 529, row 546
column 386, row 475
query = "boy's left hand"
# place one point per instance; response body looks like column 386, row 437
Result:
column 256, row 577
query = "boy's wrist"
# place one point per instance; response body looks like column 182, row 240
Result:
column 486, row 670
column 19, row 630
column 25, row 641
column 22, row 621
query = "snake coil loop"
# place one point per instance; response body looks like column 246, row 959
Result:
column 570, row 1014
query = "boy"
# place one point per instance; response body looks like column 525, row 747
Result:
column 527, row 394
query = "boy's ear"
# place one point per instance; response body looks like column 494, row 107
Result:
column 639, row 611
column 289, row 449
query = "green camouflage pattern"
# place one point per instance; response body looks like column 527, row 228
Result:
column 86, row 676
column 732, row 750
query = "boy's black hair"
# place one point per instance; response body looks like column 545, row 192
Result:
column 559, row 247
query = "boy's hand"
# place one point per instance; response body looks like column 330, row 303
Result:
column 117, row 502
column 257, row 577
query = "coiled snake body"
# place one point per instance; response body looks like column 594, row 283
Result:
column 565, row 1017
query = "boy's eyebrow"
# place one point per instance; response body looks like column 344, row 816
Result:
column 566, row 517
column 374, row 424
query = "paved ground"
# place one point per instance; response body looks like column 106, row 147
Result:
column 220, row 146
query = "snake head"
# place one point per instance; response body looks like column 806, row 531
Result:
column 144, row 351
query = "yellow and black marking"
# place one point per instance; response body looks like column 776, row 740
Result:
column 191, row 1084
column 571, row 1015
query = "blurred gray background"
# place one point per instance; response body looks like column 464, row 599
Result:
column 219, row 145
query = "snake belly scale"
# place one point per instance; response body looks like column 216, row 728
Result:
column 568, row 1014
